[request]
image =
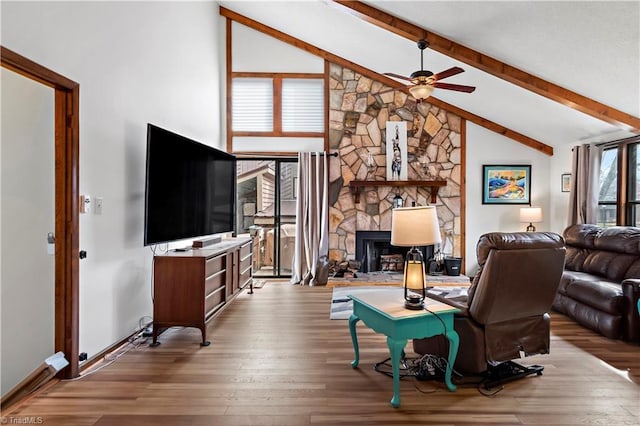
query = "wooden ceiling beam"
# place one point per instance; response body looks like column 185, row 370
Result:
column 490, row 65
column 482, row 122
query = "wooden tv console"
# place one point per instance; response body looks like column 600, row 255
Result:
column 189, row 287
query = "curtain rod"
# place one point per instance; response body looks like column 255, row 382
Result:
column 629, row 139
column 331, row 154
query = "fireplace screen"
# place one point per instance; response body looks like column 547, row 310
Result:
column 375, row 252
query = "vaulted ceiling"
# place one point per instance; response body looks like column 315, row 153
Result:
column 559, row 73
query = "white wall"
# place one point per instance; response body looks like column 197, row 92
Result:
column 136, row 62
column 486, row 147
column 559, row 202
column 253, row 51
column 27, row 279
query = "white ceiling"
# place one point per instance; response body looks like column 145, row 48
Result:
column 591, row 48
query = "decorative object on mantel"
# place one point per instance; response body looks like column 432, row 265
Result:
column 398, row 201
column 355, row 186
column 412, row 227
column 371, row 164
column 506, row 184
column 531, row 215
column 397, row 150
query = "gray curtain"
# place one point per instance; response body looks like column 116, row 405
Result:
column 585, row 175
column 310, row 259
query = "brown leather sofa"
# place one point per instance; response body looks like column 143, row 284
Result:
column 600, row 286
column 506, row 310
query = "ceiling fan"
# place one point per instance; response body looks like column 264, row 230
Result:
column 425, row 81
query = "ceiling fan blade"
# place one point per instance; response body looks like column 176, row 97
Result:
column 448, row 73
column 402, row 77
column 456, row 87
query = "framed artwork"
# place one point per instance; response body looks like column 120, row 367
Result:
column 566, row 182
column 396, row 150
column 506, row 184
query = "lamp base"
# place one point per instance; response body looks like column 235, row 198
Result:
column 531, row 228
column 415, row 303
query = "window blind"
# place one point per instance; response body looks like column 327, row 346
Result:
column 302, row 105
column 252, row 104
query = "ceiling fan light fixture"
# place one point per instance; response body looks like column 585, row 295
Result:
column 421, row 91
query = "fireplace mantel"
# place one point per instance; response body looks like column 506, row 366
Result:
column 434, row 185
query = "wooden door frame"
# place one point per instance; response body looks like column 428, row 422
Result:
column 66, row 123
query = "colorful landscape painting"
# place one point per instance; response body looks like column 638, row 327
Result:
column 506, row 184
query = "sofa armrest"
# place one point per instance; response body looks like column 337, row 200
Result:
column 631, row 292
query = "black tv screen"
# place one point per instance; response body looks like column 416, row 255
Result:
column 190, row 188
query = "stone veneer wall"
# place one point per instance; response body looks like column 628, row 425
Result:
column 359, row 109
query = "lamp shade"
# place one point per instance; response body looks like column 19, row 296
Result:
column 415, row 226
column 530, row 214
column 421, row 91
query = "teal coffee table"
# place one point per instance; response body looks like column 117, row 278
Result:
column 383, row 311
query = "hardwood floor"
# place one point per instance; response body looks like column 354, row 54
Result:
column 276, row 359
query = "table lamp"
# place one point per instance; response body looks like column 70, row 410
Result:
column 412, row 227
column 531, row 215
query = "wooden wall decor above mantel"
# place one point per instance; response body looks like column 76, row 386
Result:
column 355, row 186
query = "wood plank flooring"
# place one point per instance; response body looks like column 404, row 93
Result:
column 277, row 359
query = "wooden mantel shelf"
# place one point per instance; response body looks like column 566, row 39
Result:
column 434, row 185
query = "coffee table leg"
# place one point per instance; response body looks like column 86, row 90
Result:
column 354, row 339
column 452, row 336
column 396, row 348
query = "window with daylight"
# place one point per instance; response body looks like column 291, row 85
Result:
column 302, row 105
column 277, row 105
column 252, row 104
column 619, row 189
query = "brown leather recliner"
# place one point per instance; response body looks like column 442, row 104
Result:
column 505, row 312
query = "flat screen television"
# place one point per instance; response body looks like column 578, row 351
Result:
column 190, row 188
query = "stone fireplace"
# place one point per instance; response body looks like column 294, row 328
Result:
column 359, row 109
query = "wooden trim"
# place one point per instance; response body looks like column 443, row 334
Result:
column 265, row 155
column 623, row 190
column 327, row 96
column 489, row 65
column 67, row 125
column 355, row 186
column 112, row 348
column 277, row 106
column 487, row 124
column 229, row 58
column 32, row 70
column 249, row 74
column 463, row 193
column 280, row 134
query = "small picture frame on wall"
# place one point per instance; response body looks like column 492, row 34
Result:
column 506, row 184
column 566, row 182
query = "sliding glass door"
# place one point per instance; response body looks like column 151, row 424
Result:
column 266, row 211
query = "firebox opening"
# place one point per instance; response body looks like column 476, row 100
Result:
column 371, row 245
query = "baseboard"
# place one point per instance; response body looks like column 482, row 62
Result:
column 100, row 355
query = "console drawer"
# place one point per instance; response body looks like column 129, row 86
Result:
column 214, row 281
column 214, row 265
column 213, row 300
column 245, row 250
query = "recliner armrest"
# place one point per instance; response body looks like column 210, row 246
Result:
column 458, row 302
